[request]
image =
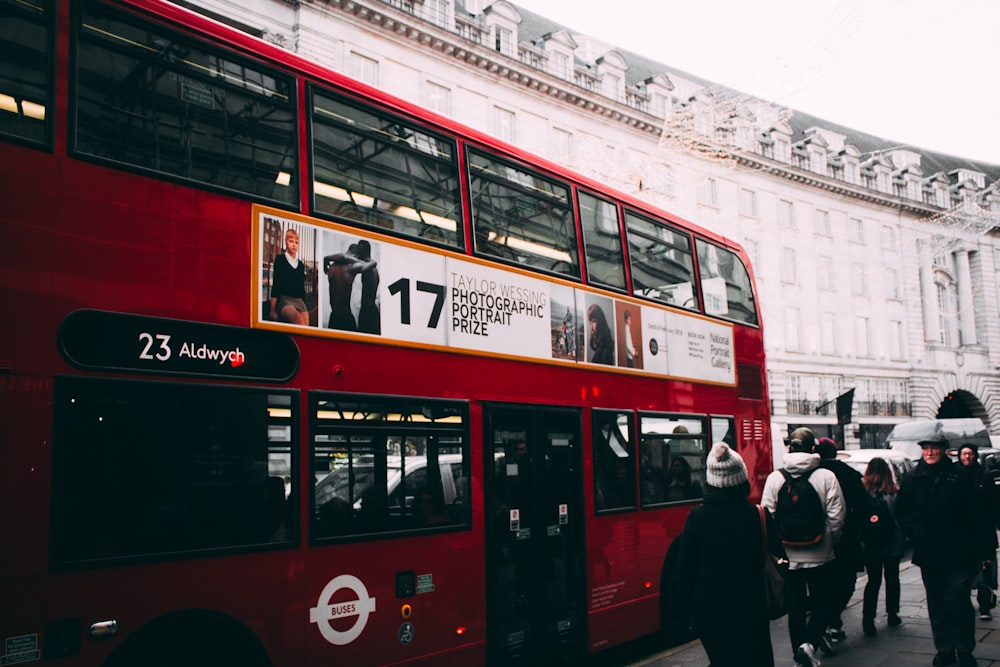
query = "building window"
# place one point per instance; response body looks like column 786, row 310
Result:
column 888, row 238
column 792, row 338
column 612, row 87
column 748, row 203
column 362, row 68
column 560, row 64
column 562, row 145
column 661, row 105
column 709, row 194
column 862, row 337
column 895, row 339
column 504, row 41
column 786, row 213
column 859, row 279
column 892, row 284
column 781, row 150
column 852, row 173
column 437, row 12
column 824, row 273
column 857, row 230
column 661, row 179
column 789, row 272
column 436, row 98
column 828, row 333
column 503, row 124
column 821, row 221
column 944, row 315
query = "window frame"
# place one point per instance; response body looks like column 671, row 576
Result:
column 218, row 465
column 402, row 524
column 285, row 87
column 645, row 438
column 599, row 468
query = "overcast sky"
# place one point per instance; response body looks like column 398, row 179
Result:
column 923, row 72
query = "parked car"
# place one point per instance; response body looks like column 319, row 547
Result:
column 858, row 459
column 905, row 435
column 400, row 492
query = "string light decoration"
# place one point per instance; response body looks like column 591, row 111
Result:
column 717, row 122
column 966, row 217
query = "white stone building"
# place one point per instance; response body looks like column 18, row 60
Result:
column 878, row 265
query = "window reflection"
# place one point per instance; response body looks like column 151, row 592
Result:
column 661, row 263
column 602, row 240
column 386, row 464
column 672, row 458
column 725, row 284
column 522, row 217
column 614, row 461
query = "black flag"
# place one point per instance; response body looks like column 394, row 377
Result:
column 844, row 403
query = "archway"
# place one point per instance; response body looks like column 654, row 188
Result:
column 960, row 403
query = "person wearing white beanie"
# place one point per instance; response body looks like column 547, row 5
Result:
column 724, row 468
column 723, row 535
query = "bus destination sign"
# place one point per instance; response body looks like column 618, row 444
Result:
column 102, row 340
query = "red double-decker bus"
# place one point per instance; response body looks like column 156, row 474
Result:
column 297, row 373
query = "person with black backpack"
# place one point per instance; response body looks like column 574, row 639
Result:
column 849, row 555
column 883, row 544
column 808, row 507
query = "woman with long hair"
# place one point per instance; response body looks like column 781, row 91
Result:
column 883, row 543
column 601, row 339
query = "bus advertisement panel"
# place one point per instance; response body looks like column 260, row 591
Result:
column 445, row 301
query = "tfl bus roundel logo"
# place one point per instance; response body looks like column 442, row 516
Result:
column 360, row 607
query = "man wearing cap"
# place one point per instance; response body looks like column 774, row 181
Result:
column 937, row 510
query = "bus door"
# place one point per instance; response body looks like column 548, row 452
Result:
column 535, row 527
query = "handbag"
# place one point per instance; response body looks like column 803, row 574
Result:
column 774, row 575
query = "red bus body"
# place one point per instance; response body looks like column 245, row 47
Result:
column 81, row 236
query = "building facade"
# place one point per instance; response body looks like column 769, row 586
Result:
column 878, row 265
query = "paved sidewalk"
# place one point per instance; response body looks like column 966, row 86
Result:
column 908, row 645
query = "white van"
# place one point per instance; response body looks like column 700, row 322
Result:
column 905, row 436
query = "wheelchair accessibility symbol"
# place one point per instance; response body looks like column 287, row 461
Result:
column 360, row 607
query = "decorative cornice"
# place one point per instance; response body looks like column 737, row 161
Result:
column 449, row 43
column 411, row 27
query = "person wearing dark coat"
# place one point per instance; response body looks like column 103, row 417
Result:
column 850, row 558
column 986, row 505
column 883, row 549
column 936, row 508
column 719, row 580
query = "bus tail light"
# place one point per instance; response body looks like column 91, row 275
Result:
column 460, row 630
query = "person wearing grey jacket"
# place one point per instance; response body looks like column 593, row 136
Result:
column 810, row 568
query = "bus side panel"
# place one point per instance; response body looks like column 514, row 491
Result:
column 142, row 253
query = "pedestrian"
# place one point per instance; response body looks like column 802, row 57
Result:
column 937, row 510
column 811, row 591
column 883, row 545
column 850, row 557
column 719, row 579
column 986, row 530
